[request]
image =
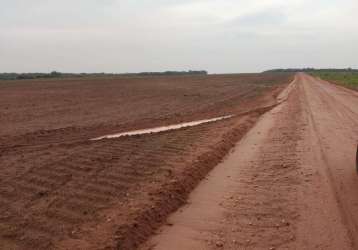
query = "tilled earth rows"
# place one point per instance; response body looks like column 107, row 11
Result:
column 60, row 190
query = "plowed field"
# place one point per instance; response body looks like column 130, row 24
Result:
column 59, row 190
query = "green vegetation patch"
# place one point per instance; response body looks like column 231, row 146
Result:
column 349, row 79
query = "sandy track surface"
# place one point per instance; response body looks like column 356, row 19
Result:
column 59, row 190
column 290, row 183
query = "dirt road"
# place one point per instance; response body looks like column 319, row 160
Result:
column 290, row 183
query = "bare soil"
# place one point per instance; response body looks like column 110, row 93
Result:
column 59, row 190
column 290, row 183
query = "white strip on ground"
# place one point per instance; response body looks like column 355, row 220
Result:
column 161, row 129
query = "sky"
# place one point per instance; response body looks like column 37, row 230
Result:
column 221, row 36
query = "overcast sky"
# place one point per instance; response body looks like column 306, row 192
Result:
column 155, row 35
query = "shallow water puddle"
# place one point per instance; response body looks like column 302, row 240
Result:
column 163, row 128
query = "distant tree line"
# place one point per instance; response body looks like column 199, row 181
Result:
column 190, row 72
column 312, row 70
column 55, row 74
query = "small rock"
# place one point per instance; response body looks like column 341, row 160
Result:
column 285, row 222
column 219, row 244
column 41, row 193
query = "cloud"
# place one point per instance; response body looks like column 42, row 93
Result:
column 146, row 35
column 266, row 18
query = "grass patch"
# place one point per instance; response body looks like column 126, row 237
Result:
column 348, row 79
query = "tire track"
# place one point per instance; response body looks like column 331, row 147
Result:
column 340, row 122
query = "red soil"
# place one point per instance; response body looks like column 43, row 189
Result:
column 60, row 190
